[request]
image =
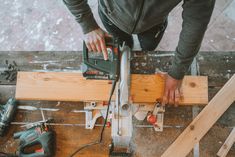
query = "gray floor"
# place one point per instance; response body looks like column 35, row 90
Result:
column 46, row 25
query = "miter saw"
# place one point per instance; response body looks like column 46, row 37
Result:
column 117, row 68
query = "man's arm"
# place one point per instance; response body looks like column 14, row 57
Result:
column 93, row 35
column 196, row 16
column 83, row 15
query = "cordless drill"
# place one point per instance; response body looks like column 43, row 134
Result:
column 7, row 113
column 37, row 141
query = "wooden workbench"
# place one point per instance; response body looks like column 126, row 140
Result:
column 145, row 141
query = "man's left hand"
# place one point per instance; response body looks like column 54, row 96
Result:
column 172, row 92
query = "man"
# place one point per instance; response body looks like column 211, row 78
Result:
column 147, row 19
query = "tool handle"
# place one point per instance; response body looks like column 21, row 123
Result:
column 94, row 66
column 24, row 134
column 18, row 134
column 109, row 42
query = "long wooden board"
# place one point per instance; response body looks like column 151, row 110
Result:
column 203, row 122
column 60, row 86
column 68, row 86
column 223, row 151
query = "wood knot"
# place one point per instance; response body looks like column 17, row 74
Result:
column 46, row 79
column 192, row 127
column 192, row 84
column 158, row 100
column 225, row 146
column 146, row 90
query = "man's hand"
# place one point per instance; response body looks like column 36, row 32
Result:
column 95, row 41
column 172, row 93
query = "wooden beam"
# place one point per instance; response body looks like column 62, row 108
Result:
column 149, row 89
column 60, row 86
column 227, row 145
column 64, row 86
column 203, row 122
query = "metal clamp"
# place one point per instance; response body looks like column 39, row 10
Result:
column 156, row 117
column 93, row 111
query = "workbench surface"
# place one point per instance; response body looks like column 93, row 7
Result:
column 218, row 66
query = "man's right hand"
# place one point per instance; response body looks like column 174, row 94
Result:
column 95, row 41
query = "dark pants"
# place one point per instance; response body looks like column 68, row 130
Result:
column 149, row 39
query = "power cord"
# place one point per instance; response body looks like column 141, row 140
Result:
column 105, row 121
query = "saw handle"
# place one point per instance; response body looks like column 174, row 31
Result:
column 109, row 42
column 108, row 67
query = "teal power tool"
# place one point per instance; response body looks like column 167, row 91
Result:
column 37, row 141
column 95, row 67
column 7, row 113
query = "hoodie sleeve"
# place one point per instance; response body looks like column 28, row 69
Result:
column 83, row 15
column 196, row 16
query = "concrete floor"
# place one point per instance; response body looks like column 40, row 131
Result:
column 48, row 26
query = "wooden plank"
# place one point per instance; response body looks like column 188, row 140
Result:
column 203, row 122
column 60, row 86
column 149, row 89
column 227, row 145
column 68, row 86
